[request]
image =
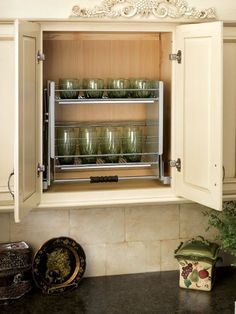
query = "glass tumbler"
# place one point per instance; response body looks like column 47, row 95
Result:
column 66, row 145
column 117, row 88
column 141, row 87
column 110, row 143
column 132, row 143
column 88, row 144
column 67, row 85
column 94, row 88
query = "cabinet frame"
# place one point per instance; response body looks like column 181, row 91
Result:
column 132, row 195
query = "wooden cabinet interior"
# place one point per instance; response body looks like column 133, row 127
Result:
column 109, row 55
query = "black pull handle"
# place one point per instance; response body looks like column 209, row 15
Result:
column 103, row 179
column 9, row 184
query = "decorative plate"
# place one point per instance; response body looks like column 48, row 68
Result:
column 59, row 265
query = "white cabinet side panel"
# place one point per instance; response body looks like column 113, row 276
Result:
column 230, row 109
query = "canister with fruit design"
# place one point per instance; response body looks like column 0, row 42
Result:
column 197, row 259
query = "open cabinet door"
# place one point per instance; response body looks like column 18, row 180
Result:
column 27, row 136
column 199, row 112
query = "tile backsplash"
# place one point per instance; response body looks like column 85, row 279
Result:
column 116, row 240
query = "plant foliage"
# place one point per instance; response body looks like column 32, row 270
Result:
column 225, row 223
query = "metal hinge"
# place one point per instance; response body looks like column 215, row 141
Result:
column 40, row 168
column 176, row 164
column 40, row 56
column 176, row 56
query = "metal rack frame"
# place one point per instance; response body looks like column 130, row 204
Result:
column 156, row 146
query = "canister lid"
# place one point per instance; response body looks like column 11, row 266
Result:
column 198, row 248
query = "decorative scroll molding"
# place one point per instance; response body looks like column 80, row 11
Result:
column 129, row 8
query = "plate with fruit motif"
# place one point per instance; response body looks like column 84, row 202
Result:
column 59, row 265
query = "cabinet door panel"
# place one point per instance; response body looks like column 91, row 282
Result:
column 27, row 181
column 199, row 113
column 6, row 116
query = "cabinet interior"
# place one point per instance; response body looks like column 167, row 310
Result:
column 109, row 55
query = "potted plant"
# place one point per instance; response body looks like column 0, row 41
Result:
column 225, row 223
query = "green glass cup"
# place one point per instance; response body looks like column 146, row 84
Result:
column 141, row 87
column 117, row 88
column 66, row 145
column 67, row 85
column 132, row 143
column 94, row 88
column 110, row 143
column 88, row 144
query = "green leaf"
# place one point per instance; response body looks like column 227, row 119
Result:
column 187, row 283
column 225, row 223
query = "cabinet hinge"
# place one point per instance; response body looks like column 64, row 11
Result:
column 176, row 56
column 40, row 168
column 40, row 56
column 176, row 164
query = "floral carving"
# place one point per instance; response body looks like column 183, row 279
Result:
column 144, row 8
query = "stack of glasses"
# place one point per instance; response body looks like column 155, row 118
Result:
column 110, row 141
column 114, row 88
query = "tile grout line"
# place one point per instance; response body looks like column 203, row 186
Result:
column 69, row 222
column 179, row 220
column 9, row 227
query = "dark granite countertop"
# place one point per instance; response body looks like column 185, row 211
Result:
column 149, row 293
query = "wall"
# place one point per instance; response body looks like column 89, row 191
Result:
column 226, row 10
column 117, row 240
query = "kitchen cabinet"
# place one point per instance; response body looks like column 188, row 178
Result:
column 7, row 92
column 193, row 98
column 192, row 106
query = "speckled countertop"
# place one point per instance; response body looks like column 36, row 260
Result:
column 149, row 293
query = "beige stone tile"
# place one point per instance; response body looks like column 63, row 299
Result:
column 95, row 260
column 168, row 262
column 153, row 256
column 91, row 226
column 4, row 227
column 39, row 226
column 151, row 223
column 125, row 258
column 194, row 223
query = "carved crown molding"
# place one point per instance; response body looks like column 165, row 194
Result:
column 130, row 8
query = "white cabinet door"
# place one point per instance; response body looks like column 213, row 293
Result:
column 27, row 181
column 199, row 113
column 7, row 110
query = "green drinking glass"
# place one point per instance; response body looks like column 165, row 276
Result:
column 141, row 87
column 67, row 85
column 94, row 88
column 132, row 142
column 117, row 88
column 66, row 145
column 88, row 144
column 110, row 143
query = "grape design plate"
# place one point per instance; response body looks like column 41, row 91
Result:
column 59, row 265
